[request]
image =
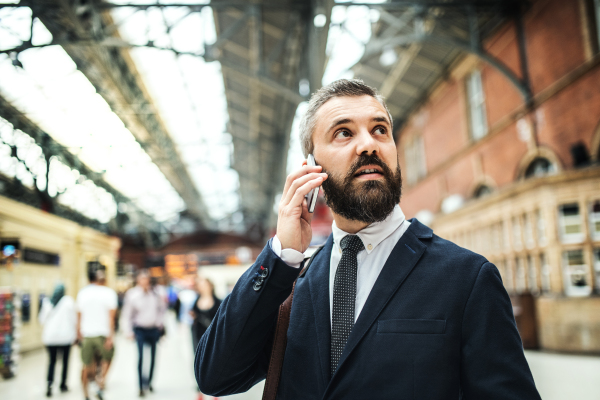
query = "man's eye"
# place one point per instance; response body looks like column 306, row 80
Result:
column 342, row 134
column 380, row 130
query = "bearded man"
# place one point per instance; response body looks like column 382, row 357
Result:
column 387, row 309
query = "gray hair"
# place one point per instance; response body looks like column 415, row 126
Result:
column 339, row 88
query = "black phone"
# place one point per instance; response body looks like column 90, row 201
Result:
column 311, row 197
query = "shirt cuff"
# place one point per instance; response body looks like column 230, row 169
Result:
column 291, row 257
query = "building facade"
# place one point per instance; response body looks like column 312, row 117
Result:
column 519, row 181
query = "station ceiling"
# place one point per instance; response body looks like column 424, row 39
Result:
column 238, row 70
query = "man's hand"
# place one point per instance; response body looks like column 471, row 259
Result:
column 108, row 343
column 293, row 224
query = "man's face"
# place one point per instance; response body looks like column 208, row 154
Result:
column 353, row 143
column 143, row 281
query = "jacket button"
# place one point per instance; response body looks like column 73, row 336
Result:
column 264, row 272
column 257, row 286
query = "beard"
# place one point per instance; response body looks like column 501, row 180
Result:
column 365, row 201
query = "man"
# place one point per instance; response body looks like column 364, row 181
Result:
column 387, row 309
column 96, row 308
column 143, row 316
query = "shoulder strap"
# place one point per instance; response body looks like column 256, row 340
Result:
column 280, row 339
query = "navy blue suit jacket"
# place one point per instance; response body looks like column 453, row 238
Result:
column 438, row 324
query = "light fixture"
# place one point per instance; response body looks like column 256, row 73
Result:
column 320, row 20
column 388, row 57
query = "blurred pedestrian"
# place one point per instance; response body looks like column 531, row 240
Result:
column 143, row 318
column 58, row 317
column 204, row 309
column 96, row 306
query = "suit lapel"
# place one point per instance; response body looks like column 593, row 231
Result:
column 399, row 264
column 318, row 283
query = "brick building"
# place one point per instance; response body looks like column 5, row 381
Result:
column 514, row 174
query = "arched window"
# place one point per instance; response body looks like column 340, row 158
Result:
column 540, row 166
column 481, row 191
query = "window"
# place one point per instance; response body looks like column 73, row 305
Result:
column 528, row 230
column 476, row 101
column 569, row 222
column 517, row 239
column 597, row 268
column 532, row 277
column 505, row 235
column 596, row 16
column 541, row 228
column 595, row 218
column 414, row 153
column 540, row 167
column 545, row 269
column 575, row 273
column 521, row 276
column 509, row 281
column 481, row 191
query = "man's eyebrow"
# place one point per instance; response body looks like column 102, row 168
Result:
column 339, row 122
column 381, row 119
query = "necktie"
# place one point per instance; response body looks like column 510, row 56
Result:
column 344, row 297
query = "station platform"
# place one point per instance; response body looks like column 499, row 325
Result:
column 557, row 376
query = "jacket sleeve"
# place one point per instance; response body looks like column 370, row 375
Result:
column 493, row 365
column 233, row 354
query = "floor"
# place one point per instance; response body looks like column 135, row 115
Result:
column 557, row 376
column 174, row 377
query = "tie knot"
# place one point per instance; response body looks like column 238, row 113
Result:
column 351, row 243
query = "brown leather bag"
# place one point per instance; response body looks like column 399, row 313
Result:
column 280, row 340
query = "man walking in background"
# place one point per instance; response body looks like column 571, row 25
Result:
column 96, row 308
column 143, row 316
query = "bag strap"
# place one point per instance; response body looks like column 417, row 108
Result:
column 280, row 339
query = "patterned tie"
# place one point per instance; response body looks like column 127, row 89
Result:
column 344, row 297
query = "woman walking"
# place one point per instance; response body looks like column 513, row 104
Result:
column 204, row 309
column 58, row 317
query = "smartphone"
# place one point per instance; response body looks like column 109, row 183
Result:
column 311, row 197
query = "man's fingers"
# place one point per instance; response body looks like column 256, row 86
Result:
column 299, row 193
column 307, row 216
column 297, row 174
column 286, row 198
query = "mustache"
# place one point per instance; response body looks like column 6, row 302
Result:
column 366, row 159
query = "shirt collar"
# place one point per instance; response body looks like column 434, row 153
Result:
column 375, row 233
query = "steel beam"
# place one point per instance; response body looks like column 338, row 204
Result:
column 114, row 75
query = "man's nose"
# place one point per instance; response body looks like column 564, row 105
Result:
column 366, row 143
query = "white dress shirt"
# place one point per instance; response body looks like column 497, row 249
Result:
column 379, row 240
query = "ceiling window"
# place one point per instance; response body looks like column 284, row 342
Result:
column 569, row 223
column 414, row 153
column 575, row 273
column 476, row 101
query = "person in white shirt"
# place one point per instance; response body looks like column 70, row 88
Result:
column 96, row 308
column 57, row 315
column 143, row 317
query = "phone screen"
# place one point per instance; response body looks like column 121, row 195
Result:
column 311, row 197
